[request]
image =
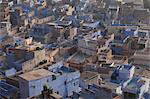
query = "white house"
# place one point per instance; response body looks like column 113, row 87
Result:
column 123, row 73
column 136, row 88
column 126, row 72
column 64, row 81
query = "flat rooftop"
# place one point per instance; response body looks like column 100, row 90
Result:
column 110, row 85
column 136, row 83
column 36, row 74
column 78, row 57
column 87, row 75
column 145, row 73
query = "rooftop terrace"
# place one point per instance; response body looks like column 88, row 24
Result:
column 136, row 83
column 36, row 74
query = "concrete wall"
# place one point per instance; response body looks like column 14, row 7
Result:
column 87, row 47
column 126, row 74
column 23, row 88
column 39, row 56
column 147, row 4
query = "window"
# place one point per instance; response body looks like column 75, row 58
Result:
column 47, row 80
column 65, row 82
column 57, row 92
column 53, row 77
column 33, row 86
